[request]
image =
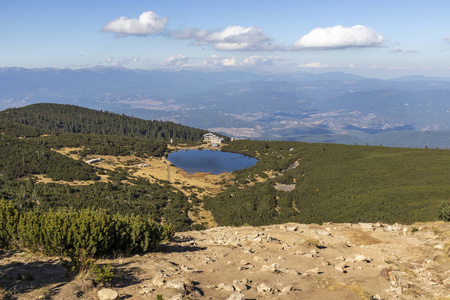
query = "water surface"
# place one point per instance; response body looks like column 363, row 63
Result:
column 214, row 162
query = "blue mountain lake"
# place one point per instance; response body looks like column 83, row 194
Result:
column 214, row 162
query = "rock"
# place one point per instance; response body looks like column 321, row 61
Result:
column 159, row 280
column 323, row 232
column 225, row 287
column 312, row 271
column 259, row 259
column 236, row 296
column 175, row 284
column 292, row 228
column 272, row 268
column 107, row 294
column 360, row 257
column 446, row 281
column 177, row 297
column 341, row 258
column 340, row 269
column 366, row 226
column 265, row 288
column 239, row 285
column 287, row 289
column 439, row 246
column 349, row 259
column 397, row 290
column 376, row 297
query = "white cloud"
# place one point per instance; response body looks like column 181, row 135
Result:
column 260, row 60
column 318, row 65
column 147, row 23
column 339, row 37
column 215, row 60
column 447, row 38
column 175, row 60
column 117, row 62
column 232, row 38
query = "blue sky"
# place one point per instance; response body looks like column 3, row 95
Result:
column 372, row 38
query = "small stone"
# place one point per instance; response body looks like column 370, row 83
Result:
column 225, row 287
column 292, row 228
column 272, row 268
column 439, row 246
column 175, row 284
column 366, row 226
column 323, row 232
column 107, row 294
column 376, row 297
column 312, row 271
column 236, row 296
column 446, row 281
column 340, row 269
column 360, row 257
column 239, row 286
column 265, row 288
column 259, row 259
column 158, row 280
column 287, row 289
column 341, row 258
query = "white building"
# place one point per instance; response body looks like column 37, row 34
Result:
column 212, row 138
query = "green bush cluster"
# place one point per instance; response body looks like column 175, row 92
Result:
column 71, row 233
column 444, row 211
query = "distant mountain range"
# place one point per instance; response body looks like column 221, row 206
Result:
column 409, row 111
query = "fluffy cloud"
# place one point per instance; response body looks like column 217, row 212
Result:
column 339, row 37
column 147, row 23
column 318, row 65
column 232, row 38
column 215, row 60
column 175, row 60
column 260, row 60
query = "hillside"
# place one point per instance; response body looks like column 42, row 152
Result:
column 316, row 183
column 59, row 118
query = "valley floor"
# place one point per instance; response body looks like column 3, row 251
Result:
column 289, row 261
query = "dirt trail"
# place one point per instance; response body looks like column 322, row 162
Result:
column 290, row 261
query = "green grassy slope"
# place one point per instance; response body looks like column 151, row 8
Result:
column 336, row 183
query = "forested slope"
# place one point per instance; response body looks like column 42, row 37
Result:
column 60, row 118
column 334, row 183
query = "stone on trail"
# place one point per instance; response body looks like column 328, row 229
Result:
column 236, row 296
column 175, row 284
column 265, row 288
column 107, row 294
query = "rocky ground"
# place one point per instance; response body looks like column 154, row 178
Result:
column 290, row 261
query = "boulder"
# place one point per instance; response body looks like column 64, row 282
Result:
column 107, row 294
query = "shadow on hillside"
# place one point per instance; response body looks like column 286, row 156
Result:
column 177, row 248
column 179, row 244
column 125, row 275
column 22, row 276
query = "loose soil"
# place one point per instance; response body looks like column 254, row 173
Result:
column 289, row 261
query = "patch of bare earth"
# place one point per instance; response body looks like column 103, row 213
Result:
column 290, row 261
